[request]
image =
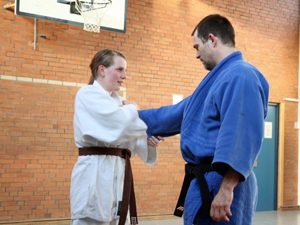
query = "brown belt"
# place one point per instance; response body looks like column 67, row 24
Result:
column 128, row 189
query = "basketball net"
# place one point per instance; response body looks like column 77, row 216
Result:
column 92, row 12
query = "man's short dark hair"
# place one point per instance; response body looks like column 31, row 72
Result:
column 217, row 25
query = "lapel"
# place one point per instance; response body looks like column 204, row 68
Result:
column 197, row 99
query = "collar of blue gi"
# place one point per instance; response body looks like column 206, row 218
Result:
column 198, row 97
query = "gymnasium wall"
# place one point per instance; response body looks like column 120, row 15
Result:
column 37, row 89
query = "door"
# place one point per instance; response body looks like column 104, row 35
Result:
column 265, row 167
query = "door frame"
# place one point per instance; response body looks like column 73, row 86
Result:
column 280, row 153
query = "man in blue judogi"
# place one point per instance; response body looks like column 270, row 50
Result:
column 221, row 126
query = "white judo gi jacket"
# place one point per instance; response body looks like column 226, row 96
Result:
column 100, row 119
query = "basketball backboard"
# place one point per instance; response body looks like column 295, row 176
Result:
column 64, row 11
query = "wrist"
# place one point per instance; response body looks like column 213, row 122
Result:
column 230, row 180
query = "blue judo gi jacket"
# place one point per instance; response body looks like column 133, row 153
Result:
column 223, row 119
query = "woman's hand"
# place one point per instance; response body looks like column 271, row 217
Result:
column 154, row 141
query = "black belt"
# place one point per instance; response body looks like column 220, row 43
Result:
column 198, row 171
column 128, row 189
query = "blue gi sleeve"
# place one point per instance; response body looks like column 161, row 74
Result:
column 164, row 121
column 242, row 103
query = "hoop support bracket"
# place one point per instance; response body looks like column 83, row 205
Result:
column 9, row 7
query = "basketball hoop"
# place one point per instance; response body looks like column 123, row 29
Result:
column 92, row 12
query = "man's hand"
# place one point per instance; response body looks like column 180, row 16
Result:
column 125, row 102
column 154, row 141
column 220, row 207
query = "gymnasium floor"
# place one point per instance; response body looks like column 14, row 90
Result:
column 261, row 218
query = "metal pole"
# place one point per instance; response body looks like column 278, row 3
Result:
column 34, row 33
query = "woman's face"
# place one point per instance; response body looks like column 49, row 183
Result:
column 112, row 77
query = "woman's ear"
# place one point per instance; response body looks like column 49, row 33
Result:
column 101, row 70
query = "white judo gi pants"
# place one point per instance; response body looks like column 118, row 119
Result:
column 88, row 221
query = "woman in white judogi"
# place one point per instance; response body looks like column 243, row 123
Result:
column 102, row 119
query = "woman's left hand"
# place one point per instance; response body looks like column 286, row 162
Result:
column 154, row 141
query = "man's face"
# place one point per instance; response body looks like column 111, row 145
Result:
column 204, row 51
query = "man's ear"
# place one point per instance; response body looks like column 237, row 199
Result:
column 213, row 39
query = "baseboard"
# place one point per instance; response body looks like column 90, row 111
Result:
column 62, row 221
column 289, row 207
column 66, row 221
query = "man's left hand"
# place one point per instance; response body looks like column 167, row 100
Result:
column 220, row 207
